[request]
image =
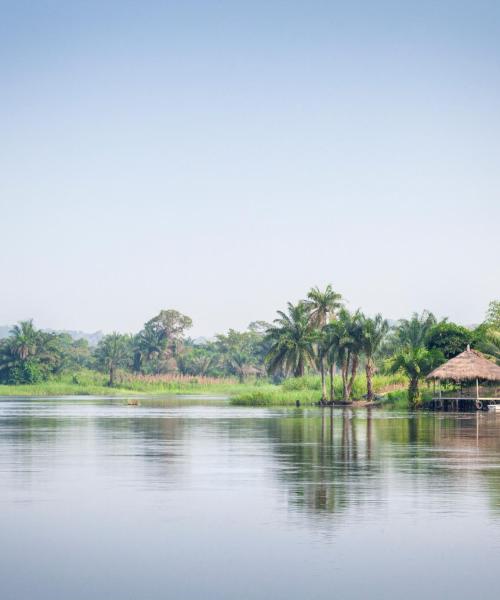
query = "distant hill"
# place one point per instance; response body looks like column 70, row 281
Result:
column 92, row 338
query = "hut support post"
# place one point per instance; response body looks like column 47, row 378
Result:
column 477, row 388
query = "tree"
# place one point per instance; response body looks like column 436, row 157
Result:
column 490, row 343
column 493, row 315
column 486, row 337
column 237, row 351
column 291, row 341
column 149, row 343
column 412, row 333
column 320, row 347
column 29, row 355
column 349, row 350
column 199, row 360
column 450, row 338
column 171, row 325
column 372, row 332
column 331, row 343
column 345, row 337
column 158, row 345
column 322, row 307
column 415, row 363
column 113, row 352
column 24, row 339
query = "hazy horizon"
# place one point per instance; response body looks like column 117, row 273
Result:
column 223, row 159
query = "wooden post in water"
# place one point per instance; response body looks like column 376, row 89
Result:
column 479, row 404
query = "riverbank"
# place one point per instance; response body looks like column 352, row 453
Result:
column 307, row 390
column 304, row 391
column 91, row 383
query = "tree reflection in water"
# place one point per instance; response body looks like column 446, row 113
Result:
column 334, row 460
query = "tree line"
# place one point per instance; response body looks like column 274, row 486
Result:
column 321, row 334
column 29, row 355
column 315, row 335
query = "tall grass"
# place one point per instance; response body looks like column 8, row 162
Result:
column 381, row 384
column 174, row 383
column 87, row 382
column 306, row 389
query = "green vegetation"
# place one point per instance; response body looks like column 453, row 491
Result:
column 93, row 383
column 306, row 390
column 292, row 339
column 415, row 363
column 449, row 338
column 373, row 332
column 293, row 360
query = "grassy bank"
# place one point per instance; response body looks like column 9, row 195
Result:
column 92, row 383
column 306, row 390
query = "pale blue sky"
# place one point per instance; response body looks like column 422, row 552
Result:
column 223, row 157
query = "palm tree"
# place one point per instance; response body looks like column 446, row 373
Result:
column 239, row 362
column 322, row 307
column 7, row 359
column 113, row 352
column 321, row 349
column 345, row 336
column 148, row 343
column 415, row 363
column 411, row 333
column 331, row 343
column 29, row 354
column 198, row 360
column 373, row 332
column 24, row 339
column 491, row 343
column 291, row 341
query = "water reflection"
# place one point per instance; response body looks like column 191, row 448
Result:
column 339, row 459
column 181, row 482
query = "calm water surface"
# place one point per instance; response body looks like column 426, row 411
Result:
column 195, row 499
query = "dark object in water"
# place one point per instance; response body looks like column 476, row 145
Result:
column 297, row 403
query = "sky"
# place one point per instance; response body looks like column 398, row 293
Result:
column 221, row 158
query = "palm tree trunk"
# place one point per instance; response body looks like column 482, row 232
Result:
column 299, row 371
column 369, row 375
column 323, row 380
column 350, row 383
column 332, row 377
column 111, row 376
column 413, row 393
column 345, row 371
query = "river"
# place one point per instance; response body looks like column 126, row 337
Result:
column 191, row 498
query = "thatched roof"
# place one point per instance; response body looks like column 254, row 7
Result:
column 467, row 366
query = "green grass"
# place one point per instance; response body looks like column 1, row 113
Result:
column 306, row 390
column 92, row 383
column 59, row 388
column 83, row 383
column 398, row 400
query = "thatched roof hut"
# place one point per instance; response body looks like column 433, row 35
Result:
column 470, row 365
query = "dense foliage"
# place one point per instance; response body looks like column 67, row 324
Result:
column 29, row 355
column 317, row 336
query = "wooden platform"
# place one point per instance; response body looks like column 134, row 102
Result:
column 460, row 404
